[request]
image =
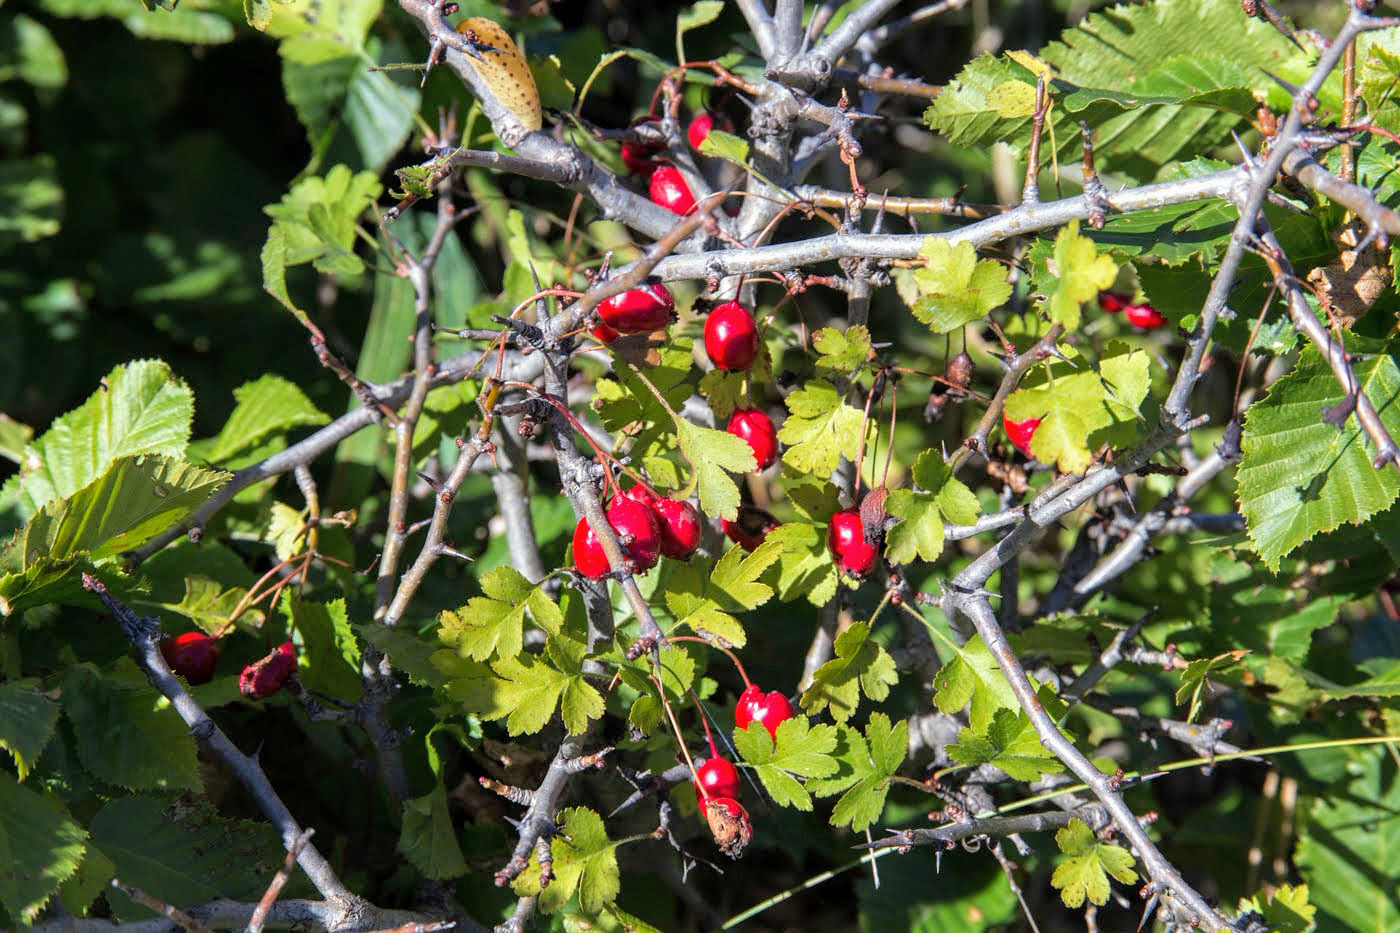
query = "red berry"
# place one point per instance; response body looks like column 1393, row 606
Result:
column 736, row 533
column 1020, row 433
column 772, row 709
column 680, row 528
column 846, row 539
column 716, row 778
column 1113, row 302
column 757, row 430
column 729, row 824
column 266, row 676
column 629, row 519
column 668, row 188
column 700, row 128
column 639, row 311
column 192, row 656
column 731, row 337
column 1144, row 317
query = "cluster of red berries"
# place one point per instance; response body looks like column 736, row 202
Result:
column 193, row 656
column 649, row 526
column 1142, row 316
column 666, row 185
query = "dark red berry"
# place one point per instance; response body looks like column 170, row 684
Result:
column 771, row 709
column 1020, row 433
column 634, row 524
column 846, row 539
column 757, row 430
column 1144, row 317
column 700, row 128
column 680, row 528
column 639, row 156
column 736, row 533
column 716, row 778
column 1113, row 302
column 192, row 656
column 264, row 677
column 668, row 188
column 638, row 311
column 731, row 337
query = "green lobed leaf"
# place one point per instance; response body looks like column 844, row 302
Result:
column 714, row 455
column 318, row 218
column 971, row 676
column 842, row 352
column 142, row 408
column 1010, row 743
column 40, row 846
column 266, row 406
column 860, row 666
column 329, row 661
column 27, row 721
column 1196, row 677
column 494, row 625
column 821, row 429
column 1079, row 272
column 805, row 566
column 427, row 837
column 127, row 734
column 1300, row 476
column 1285, row 909
column 1084, row 874
column 939, row 497
column 585, row 863
column 800, row 749
column 527, row 690
column 865, row 765
column 955, row 288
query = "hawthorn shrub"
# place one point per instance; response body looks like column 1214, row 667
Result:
column 842, row 465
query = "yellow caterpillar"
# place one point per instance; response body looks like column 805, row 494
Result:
column 503, row 68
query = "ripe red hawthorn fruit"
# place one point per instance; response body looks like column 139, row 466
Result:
column 700, row 128
column 1113, row 302
column 771, row 709
column 756, row 429
column 192, row 656
column 715, row 778
column 264, row 677
column 668, row 188
column 729, row 824
column 846, row 539
column 1144, row 317
column 731, row 337
column 1020, row 433
column 636, row 311
column 677, row 521
column 630, row 520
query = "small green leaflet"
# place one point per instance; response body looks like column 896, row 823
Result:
column 585, row 861
column 528, row 689
column 1010, row 743
column 860, row 666
column 955, row 288
column 330, row 657
column 801, row 750
column 1085, row 873
column 266, row 406
column 1080, row 273
column 1286, row 910
column 806, row 567
column 842, row 353
column 706, row 599
column 700, row 13
column 27, row 722
column 726, row 146
column 972, row 675
column 427, row 837
column 1081, row 411
column 494, row 624
column 677, row 678
column 714, row 455
column 821, row 429
column 1197, row 675
column 318, row 218
column 865, row 766
column 940, row 497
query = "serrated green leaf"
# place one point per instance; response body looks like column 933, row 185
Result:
column 527, row 690
column 860, row 665
column 923, row 511
column 266, row 406
column 805, row 567
column 821, row 429
column 1010, row 743
column 800, row 750
column 494, row 625
column 972, row 676
column 1285, row 909
column 1196, row 677
column 840, row 352
column 734, row 582
column 27, row 721
column 726, row 146
column 183, row 852
column 1080, row 273
column 714, row 455
column 955, row 288
column 427, row 837
column 723, row 391
column 127, row 733
column 1300, row 476
column 1084, row 874
column 585, row 862
column 317, row 219
column 40, row 846
column 142, row 408
column 865, row 766
column 330, row 657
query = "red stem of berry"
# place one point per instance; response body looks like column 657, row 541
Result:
column 729, row 654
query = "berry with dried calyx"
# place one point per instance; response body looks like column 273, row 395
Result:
column 729, row 824
column 264, row 677
column 846, row 539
